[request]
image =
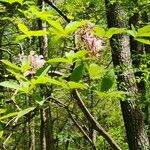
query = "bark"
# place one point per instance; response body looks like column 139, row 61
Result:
column 93, row 122
column 47, row 139
column 121, row 56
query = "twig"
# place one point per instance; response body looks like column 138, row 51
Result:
column 92, row 120
column 58, row 10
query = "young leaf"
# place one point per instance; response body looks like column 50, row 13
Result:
column 81, row 53
column 44, row 80
column 113, row 31
column 56, row 25
column 99, row 31
column 10, row 84
column 145, row 41
column 2, row 111
column 12, row 1
column 1, row 133
column 77, row 73
column 144, row 31
column 60, row 60
column 37, row 33
column 71, row 27
column 20, row 37
column 18, row 75
column 8, row 115
column 23, row 28
column 74, row 85
column 95, row 71
column 8, row 63
column 25, row 111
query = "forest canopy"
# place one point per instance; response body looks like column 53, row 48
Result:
column 74, row 75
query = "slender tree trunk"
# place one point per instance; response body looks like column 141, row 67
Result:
column 47, row 139
column 121, row 55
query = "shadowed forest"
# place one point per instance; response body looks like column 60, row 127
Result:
column 74, row 75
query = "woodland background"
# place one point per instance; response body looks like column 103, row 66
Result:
column 74, row 75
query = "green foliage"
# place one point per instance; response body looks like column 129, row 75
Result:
column 12, row 1
column 78, row 73
column 10, row 84
column 95, row 71
column 107, row 81
column 46, row 91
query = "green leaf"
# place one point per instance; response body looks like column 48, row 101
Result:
column 37, row 97
column 37, row 33
column 74, row 85
column 25, row 111
column 8, row 115
column 42, row 71
column 60, row 60
column 10, row 84
column 78, row 73
column 145, row 41
column 23, row 28
column 95, row 71
column 44, row 80
column 130, row 32
column 2, row 111
column 99, row 31
column 71, row 27
column 134, row 30
column 18, row 75
column 1, row 133
column 107, row 81
column 81, row 53
column 56, row 25
column 20, row 37
column 113, row 31
column 12, row 1
column 113, row 94
column 8, row 63
column 144, row 31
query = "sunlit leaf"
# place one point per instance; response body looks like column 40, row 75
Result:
column 44, row 80
column 8, row 63
column 10, row 84
column 145, row 41
column 74, row 85
column 2, row 111
column 99, row 31
column 12, row 1
column 95, row 71
column 25, row 111
column 113, row 31
column 18, row 75
column 23, row 28
column 56, row 25
column 20, row 37
column 60, row 60
column 71, row 27
column 9, row 115
column 37, row 33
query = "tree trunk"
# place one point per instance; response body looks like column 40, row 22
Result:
column 121, row 56
column 47, row 139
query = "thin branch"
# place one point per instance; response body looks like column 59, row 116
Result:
column 58, row 10
column 92, row 120
column 82, row 130
column 74, row 120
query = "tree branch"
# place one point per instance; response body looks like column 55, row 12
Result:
column 58, row 10
column 92, row 120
